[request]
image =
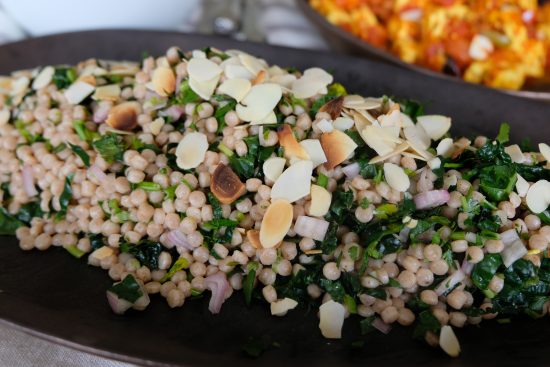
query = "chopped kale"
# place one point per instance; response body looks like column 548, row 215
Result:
column 129, row 289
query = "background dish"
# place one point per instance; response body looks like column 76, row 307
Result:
column 64, row 301
column 343, row 41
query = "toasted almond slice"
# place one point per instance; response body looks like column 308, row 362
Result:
column 331, row 319
column 313, row 252
column 226, row 185
column 204, row 89
column 123, row 68
column 260, row 77
column 445, row 147
column 545, row 151
column 253, row 237
column 4, row 116
column 78, row 91
column 514, row 151
column 398, row 150
column 333, row 107
column 164, row 81
column 90, row 79
column 315, row 151
column 281, row 307
column 373, row 136
column 393, row 118
column 203, row 70
column 44, row 78
column 338, row 147
column 538, row 196
column 276, row 223
column 320, row 201
column 124, row 116
column 259, row 102
column 343, row 123
column 522, row 186
column 191, row 150
column 292, row 148
column 396, row 177
column 435, row 125
column 109, row 92
column 448, row 341
column 294, row 183
column 273, row 167
column 417, row 136
column 236, row 88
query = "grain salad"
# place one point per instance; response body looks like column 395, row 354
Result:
column 209, row 172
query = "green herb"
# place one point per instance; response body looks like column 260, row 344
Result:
column 83, row 133
column 334, row 91
column 29, row 211
column 140, row 146
column 411, row 108
column 350, row 303
column 217, row 210
column 218, row 231
column 65, row 198
column 96, row 240
column 111, row 147
column 181, row 263
column 497, row 181
column 63, row 77
column 334, row 288
column 148, row 186
column 503, row 133
column 426, row 321
column 248, row 283
column 353, row 252
column 147, row 252
column 330, row 242
column 186, row 94
column 210, row 52
column 58, row 149
column 129, row 289
column 322, row 180
column 222, row 111
column 383, row 211
column 342, row 202
column 366, row 325
column 121, row 215
column 485, row 270
column 8, row 223
column 81, row 153
column 29, row 137
column 75, row 251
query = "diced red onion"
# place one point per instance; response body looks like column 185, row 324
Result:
column 118, row 305
column 311, row 227
column 513, row 252
column 467, row 267
column 351, row 170
column 101, row 113
column 97, row 172
column 219, row 286
column 381, row 326
column 450, row 282
column 174, row 112
column 431, row 199
column 28, row 180
column 508, row 237
column 178, row 239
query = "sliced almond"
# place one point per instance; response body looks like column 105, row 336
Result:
column 276, row 223
column 203, row 70
column 445, row 147
column 294, row 183
column 514, row 151
column 538, row 196
column 156, row 126
column 398, row 150
column 191, row 150
column 260, row 77
column 19, row 86
column 226, row 185
column 522, row 186
column 253, row 237
column 312, row 82
column 333, row 107
column 281, row 307
column 287, row 140
column 435, row 125
column 417, row 136
column 359, row 103
column 545, row 151
column 426, row 156
column 273, row 167
column 315, row 151
column 434, row 163
column 284, row 81
column 406, row 121
column 164, row 81
column 44, row 78
column 331, row 319
column 4, row 116
column 259, row 102
column 102, row 253
column 343, row 123
column 78, row 91
column 448, row 341
column 238, row 71
column 90, row 79
column 396, row 177
column 338, row 147
column 236, row 88
column 313, row 252
column 271, row 118
column 204, row 89
column 251, row 63
column 393, row 118
column 320, row 201
column 109, row 92
column 124, row 116
column 373, row 137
